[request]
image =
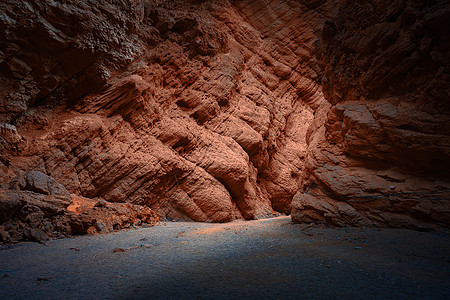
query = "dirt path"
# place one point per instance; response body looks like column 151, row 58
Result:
column 241, row 260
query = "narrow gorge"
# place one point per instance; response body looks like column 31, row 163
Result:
column 116, row 114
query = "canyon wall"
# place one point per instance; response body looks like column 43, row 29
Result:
column 220, row 110
column 378, row 149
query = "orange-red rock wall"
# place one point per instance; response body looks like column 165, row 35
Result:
column 217, row 110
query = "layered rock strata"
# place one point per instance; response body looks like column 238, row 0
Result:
column 379, row 147
column 216, row 110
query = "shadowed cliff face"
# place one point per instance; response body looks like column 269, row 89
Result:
column 378, row 149
column 217, row 110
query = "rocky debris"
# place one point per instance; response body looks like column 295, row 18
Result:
column 220, row 110
column 8, row 208
column 109, row 216
column 34, row 235
column 32, row 216
column 50, row 212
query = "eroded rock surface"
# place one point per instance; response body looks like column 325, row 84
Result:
column 217, row 110
column 37, row 208
column 379, row 150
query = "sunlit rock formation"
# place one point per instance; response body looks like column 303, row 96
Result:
column 217, row 110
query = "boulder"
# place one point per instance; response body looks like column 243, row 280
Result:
column 41, row 183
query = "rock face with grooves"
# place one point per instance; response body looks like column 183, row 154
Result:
column 219, row 110
column 379, row 147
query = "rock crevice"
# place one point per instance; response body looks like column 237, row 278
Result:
column 216, row 110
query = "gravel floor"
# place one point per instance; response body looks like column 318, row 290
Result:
column 265, row 259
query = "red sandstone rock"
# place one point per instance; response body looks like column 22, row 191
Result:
column 216, row 110
column 382, row 146
column 35, row 216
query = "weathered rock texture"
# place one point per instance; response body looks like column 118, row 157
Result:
column 37, row 208
column 379, row 147
column 216, row 110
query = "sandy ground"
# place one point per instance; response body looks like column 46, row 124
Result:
column 271, row 259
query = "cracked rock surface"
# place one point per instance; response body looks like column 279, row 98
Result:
column 219, row 110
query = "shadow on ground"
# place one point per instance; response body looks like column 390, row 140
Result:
column 257, row 259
